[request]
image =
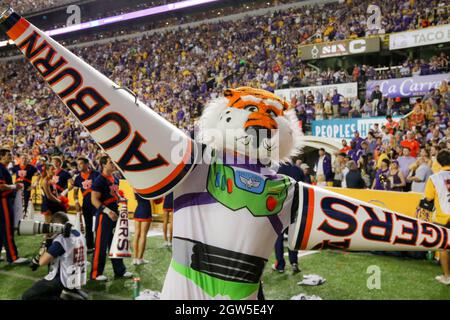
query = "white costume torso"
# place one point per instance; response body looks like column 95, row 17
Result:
column 219, row 246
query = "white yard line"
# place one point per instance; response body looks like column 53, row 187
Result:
column 18, row 275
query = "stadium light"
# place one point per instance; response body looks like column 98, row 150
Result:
column 128, row 16
column 122, row 17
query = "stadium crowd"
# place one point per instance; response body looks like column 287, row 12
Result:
column 30, row 6
column 307, row 24
column 397, row 156
column 175, row 73
column 362, row 73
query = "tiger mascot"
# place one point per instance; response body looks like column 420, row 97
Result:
column 233, row 207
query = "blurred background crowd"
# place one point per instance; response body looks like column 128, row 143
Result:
column 176, row 72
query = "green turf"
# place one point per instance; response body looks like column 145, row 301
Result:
column 346, row 275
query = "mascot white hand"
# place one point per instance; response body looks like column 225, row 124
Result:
column 230, row 206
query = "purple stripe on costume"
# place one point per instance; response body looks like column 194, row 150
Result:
column 239, row 161
column 193, row 199
column 276, row 224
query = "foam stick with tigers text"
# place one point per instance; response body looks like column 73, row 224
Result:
column 328, row 220
column 121, row 243
column 80, row 224
column 153, row 155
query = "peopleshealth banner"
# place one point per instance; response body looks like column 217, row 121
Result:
column 344, row 128
column 408, row 87
column 348, row 90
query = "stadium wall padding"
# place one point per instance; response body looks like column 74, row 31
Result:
column 401, row 202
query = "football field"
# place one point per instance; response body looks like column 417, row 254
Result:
column 346, row 276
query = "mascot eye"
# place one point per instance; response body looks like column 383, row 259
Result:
column 271, row 113
column 252, row 108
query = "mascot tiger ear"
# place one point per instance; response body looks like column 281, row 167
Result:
column 252, row 122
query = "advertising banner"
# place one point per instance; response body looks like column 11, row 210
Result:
column 348, row 90
column 407, row 87
column 418, row 38
column 344, row 128
column 339, row 48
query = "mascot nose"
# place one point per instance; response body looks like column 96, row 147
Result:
column 259, row 133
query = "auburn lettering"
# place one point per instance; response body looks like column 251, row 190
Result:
column 86, row 103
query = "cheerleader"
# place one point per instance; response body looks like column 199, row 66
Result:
column 142, row 222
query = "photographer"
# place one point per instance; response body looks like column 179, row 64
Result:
column 67, row 259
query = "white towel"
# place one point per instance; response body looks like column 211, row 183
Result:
column 312, row 280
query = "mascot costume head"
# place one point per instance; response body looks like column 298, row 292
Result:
column 227, row 215
column 253, row 123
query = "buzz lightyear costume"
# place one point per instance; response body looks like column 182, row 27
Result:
column 227, row 217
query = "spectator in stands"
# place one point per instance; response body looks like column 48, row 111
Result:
column 376, row 130
column 420, row 171
column 375, row 97
column 345, row 171
column 396, row 177
column 327, row 107
column 354, row 153
column 336, row 100
column 344, row 109
column 391, row 125
column 411, row 143
column 323, row 166
column 405, row 161
column 357, row 139
column 366, row 109
column 353, row 178
column 417, row 118
column 338, row 167
column 381, row 181
column 365, row 165
column 371, row 141
column 309, row 178
column 345, row 147
column 434, row 151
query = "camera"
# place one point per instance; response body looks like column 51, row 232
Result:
column 29, row 227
